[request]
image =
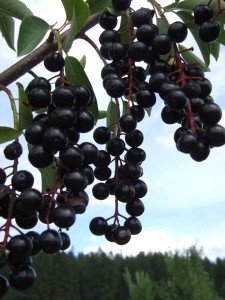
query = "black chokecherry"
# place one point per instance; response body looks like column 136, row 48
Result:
column 54, row 62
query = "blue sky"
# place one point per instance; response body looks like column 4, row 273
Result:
column 185, row 204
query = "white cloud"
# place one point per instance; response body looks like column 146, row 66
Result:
column 161, row 240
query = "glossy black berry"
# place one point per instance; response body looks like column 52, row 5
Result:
column 40, row 82
column 20, row 247
column 82, row 95
column 215, row 135
column 100, row 191
column 134, row 225
column 85, row 121
column 40, row 157
column 124, row 192
column 108, row 36
column 34, row 132
column 210, row 113
column 135, row 138
column 135, row 207
column 13, row 150
column 128, row 123
column 22, row 180
column 75, row 180
column 187, row 142
column 50, row 241
column 209, row 31
column 115, row 87
column 98, row 226
column 107, row 20
column 30, row 199
column 34, row 237
column 64, row 216
column 63, row 96
column 54, row 139
column 170, row 116
column 90, row 152
column 39, row 98
column 102, row 173
column 202, row 13
column 177, row 32
column 71, row 157
column 63, row 117
column 142, row 16
column 22, row 278
column 121, row 235
column 102, row 135
column 138, row 112
column 145, row 98
column 54, row 62
column 115, row 146
column 162, row 44
column 177, row 100
column 201, row 152
column 137, row 51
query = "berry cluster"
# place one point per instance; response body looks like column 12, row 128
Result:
column 53, row 138
column 209, row 29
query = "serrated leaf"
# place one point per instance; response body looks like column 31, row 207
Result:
column 111, row 118
column 76, row 75
column 14, row 8
column 98, row 5
column 83, row 61
column 192, row 58
column 25, row 111
column 8, row 134
column 48, row 177
column 215, row 49
column 80, row 15
column 7, row 26
column 31, row 32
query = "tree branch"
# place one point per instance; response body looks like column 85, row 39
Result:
column 37, row 56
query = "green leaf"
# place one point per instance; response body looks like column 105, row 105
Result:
column 79, row 17
column 148, row 111
column 25, row 111
column 8, row 134
column 14, row 8
column 192, row 58
column 83, row 61
column 48, row 177
column 125, row 107
column 7, row 26
column 123, row 32
column 98, row 5
column 221, row 38
column 76, row 75
column 215, row 49
column 31, row 32
column 162, row 25
column 102, row 114
column 111, row 118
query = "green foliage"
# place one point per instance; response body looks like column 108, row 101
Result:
column 7, row 26
column 142, row 288
column 80, row 13
column 14, row 8
column 111, row 117
column 8, row 134
column 34, row 27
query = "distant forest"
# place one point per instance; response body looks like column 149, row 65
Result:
column 98, row 276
